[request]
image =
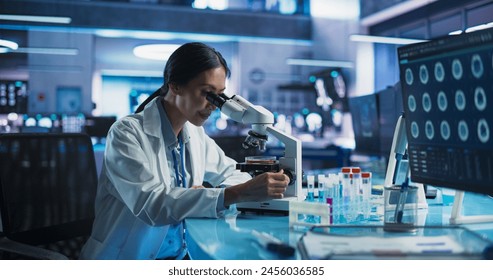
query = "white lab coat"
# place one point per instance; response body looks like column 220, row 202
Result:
column 137, row 200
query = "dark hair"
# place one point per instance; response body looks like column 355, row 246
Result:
column 186, row 63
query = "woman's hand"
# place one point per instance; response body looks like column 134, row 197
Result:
column 266, row 186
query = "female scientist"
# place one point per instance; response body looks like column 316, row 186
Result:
column 156, row 161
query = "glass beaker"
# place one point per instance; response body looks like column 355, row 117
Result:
column 401, row 208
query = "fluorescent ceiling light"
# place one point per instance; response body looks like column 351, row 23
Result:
column 335, row 9
column 384, row 40
column 46, row 19
column 479, row 27
column 131, row 73
column 473, row 28
column 114, row 33
column 7, row 45
column 214, row 5
column 394, row 11
column 456, row 32
column 322, row 63
column 159, row 52
column 54, row 51
column 214, row 38
column 10, row 46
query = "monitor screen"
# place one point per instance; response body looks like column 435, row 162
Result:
column 330, row 86
column 364, row 115
column 389, row 110
column 98, row 126
column 447, row 98
column 13, row 97
column 374, row 119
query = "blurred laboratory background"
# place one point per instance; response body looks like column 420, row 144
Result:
column 326, row 69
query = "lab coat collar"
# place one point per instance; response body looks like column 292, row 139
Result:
column 151, row 117
column 169, row 138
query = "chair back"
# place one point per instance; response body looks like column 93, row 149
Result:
column 48, row 186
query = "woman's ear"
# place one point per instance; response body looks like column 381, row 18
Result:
column 175, row 89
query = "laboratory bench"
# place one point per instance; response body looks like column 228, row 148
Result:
column 231, row 238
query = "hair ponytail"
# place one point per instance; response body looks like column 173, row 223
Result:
column 148, row 99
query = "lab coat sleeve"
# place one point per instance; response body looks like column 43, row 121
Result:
column 136, row 175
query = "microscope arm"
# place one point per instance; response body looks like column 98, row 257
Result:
column 241, row 110
column 291, row 161
column 291, row 144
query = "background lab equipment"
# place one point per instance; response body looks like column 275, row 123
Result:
column 240, row 110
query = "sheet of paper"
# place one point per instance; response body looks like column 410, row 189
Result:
column 319, row 246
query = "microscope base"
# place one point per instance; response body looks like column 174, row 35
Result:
column 275, row 205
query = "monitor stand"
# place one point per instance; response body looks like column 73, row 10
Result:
column 457, row 218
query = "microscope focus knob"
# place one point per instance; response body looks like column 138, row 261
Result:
column 290, row 175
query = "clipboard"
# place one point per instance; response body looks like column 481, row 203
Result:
column 372, row 242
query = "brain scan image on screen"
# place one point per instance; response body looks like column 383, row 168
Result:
column 439, row 72
column 423, row 74
column 411, row 103
column 409, row 76
column 445, row 130
column 457, row 69
column 463, row 131
column 442, row 101
column 429, row 130
column 480, row 98
column 460, row 100
column 477, row 66
column 426, row 102
column 414, row 130
column 483, row 131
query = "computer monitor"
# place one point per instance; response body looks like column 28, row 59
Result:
column 98, row 126
column 13, row 97
column 374, row 118
column 389, row 111
column 447, row 97
column 330, row 86
column 366, row 126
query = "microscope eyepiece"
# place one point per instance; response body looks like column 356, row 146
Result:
column 216, row 99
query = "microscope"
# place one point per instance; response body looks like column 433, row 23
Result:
column 242, row 111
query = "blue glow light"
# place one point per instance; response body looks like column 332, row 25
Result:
column 287, row 7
